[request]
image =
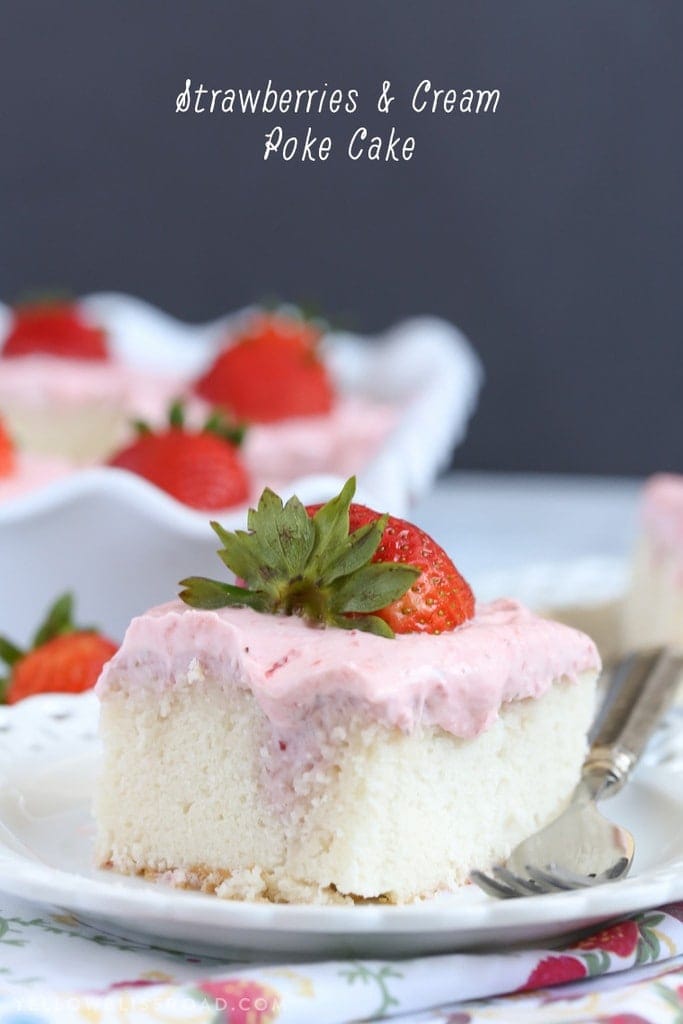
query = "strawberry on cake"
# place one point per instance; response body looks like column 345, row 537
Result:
column 271, row 375
column 653, row 609
column 200, row 468
column 343, row 725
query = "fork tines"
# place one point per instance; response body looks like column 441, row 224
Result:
column 505, row 884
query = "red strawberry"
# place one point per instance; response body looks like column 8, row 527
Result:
column 63, row 658
column 202, row 469
column 554, row 970
column 54, row 328
column 338, row 564
column 67, row 664
column 271, row 372
column 439, row 599
column 621, row 939
column 7, row 453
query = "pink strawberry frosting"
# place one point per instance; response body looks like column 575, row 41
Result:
column 340, row 442
column 37, row 379
column 33, row 472
column 457, row 680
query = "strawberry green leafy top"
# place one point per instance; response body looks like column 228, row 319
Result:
column 294, row 563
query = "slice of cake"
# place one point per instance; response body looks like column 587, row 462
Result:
column 56, row 389
column 62, row 391
column 653, row 609
column 343, row 726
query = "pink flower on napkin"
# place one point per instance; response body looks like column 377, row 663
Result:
column 242, row 1001
column 624, row 1018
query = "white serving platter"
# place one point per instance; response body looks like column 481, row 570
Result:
column 121, row 544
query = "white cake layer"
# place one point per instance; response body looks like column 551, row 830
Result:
column 197, row 789
column 84, row 432
column 653, row 608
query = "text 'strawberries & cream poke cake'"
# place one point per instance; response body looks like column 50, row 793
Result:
column 343, row 725
column 653, row 609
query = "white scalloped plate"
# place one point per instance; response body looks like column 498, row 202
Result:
column 84, row 530
column 424, row 364
column 47, row 764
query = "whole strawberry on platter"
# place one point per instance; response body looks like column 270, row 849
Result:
column 62, row 657
column 273, row 374
column 200, row 468
column 344, row 723
column 271, row 370
column 54, row 327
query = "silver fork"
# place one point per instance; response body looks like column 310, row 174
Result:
column 581, row 848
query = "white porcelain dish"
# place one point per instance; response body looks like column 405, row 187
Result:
column 585, row 582
column 48, row 758
column 121, row 544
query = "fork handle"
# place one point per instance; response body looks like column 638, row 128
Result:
column 643, row 687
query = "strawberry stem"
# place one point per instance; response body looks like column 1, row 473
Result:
column 230, row 431
column 296, row 564
column 9, row 653
column 58, row 621
column 35, row 298
column 217, row 423
column 176, row 415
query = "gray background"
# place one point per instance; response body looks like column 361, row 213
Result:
column 551, row 232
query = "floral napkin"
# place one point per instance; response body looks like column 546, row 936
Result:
column 54, row 968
